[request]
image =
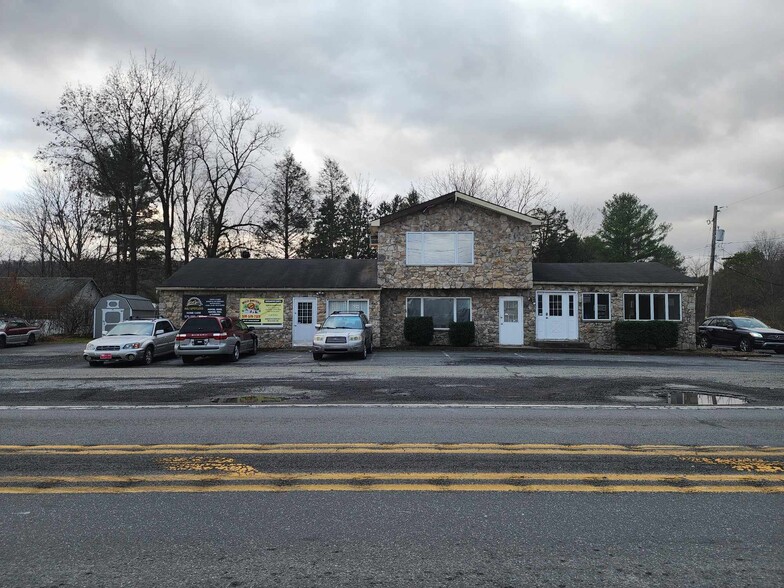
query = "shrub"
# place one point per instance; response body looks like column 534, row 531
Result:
column 462, row 334
column 646, row 334
column 418, row 330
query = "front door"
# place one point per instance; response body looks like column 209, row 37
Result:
column 510, row 320
column 304, row 321
column 556, row 316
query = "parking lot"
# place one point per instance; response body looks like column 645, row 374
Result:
column 56, row 374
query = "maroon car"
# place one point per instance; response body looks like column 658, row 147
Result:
column 18, row 332
column 202, row 336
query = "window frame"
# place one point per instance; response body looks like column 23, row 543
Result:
column 652, row 304
column 596, row 318
column 454, row 300
column 423, row 235
column 347, row 301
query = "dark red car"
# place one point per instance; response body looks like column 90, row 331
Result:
column 18, row 332
column 202, row 336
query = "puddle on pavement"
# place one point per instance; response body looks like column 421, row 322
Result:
column 704, row 399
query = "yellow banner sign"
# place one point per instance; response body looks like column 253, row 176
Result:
column 262, row 312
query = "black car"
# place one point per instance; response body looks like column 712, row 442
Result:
column 741, row 332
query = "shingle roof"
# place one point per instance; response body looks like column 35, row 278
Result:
column 609, row 273
column 54, row 289
column 269, row 274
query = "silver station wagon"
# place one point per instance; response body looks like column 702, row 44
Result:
column 133, row 341
column 344, row 332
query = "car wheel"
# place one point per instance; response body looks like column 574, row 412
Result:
column 2, row 342
column 370, row 346
column 317, row 356
column 745, row 345
column 186, row 359
column 254, row 347
column 705, row 342
column 780, row 350
column 31, row 339
column 148, row 355
column 235, row 355
column 363, row 353
column 95, row 363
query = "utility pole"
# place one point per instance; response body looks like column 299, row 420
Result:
column 712, row 259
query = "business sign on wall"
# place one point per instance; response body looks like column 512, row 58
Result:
column 203, row 304
column 262, row 312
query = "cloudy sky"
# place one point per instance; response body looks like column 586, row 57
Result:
column 680, row 102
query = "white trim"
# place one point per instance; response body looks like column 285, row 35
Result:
column 454, row 307
column 424, row 234
column 496, row 208
column 652, row 294
column 596, row 307
column 616, row 284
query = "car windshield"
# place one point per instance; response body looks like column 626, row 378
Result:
column 201, row 325
column 142, row 329
column 342, row 322
column 749, row 323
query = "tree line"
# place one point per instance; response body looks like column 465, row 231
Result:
column 151, row 169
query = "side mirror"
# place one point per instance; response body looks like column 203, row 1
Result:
column 159, row 332
column 369, row 325
column 318, row 325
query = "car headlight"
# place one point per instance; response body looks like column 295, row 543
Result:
column 756, row 335
column 355, row 338
column 132, row 346
column 90, row 346
column 318, row 339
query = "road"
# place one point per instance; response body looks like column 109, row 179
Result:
column 391, row 496
column 434, row 468
column 56, row 375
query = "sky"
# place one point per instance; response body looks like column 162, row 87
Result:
column 680, row 102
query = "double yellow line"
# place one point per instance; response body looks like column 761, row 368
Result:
column 205, row 468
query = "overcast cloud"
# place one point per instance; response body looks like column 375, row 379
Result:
column 679, row 102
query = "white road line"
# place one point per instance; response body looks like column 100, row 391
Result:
column 383, row 405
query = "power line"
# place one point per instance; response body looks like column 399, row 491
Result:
column 753, row 196
column 732, row 269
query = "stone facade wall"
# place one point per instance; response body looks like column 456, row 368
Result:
column 600, row 334
column 170, row 306
column 484, row 313
column 502, row 250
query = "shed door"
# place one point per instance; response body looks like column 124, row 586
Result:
column 111, row 317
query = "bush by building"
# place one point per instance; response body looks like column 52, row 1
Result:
column 462, row 334
column 418, row 330
column 646, row 334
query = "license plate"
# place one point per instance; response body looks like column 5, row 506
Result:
column 106, row 355
column 199, row 341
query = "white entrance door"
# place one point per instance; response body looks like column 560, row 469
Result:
column 556, row 316
column 510, row 320
column 304, row 322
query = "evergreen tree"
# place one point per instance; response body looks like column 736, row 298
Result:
column 630, row 232
column 398, row 202
column 290, row 208
column 554, row 240
column 355, row 216
column 327, row 239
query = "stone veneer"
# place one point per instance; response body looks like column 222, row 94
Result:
column 600, row 334
column 484, row 312
column 502, row 250
column 170, row 306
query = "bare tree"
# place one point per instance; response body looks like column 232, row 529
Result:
column 167, row 102
column 231, row 146
column 30, row 217
column 582, row 219
column 521, row 191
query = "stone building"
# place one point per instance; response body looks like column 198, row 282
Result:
column 455, row 258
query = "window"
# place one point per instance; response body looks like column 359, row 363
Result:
column 596, row 307
column 443, row 310
column 351, row 305
column 441, row 248
column 164, row 326
column 658, row 307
